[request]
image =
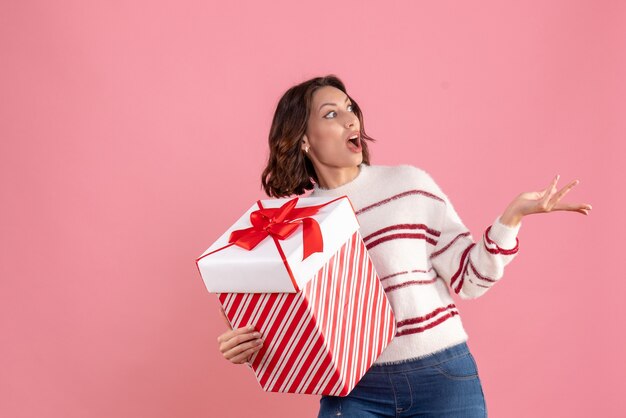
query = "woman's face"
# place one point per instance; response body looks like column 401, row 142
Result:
column 331, row 123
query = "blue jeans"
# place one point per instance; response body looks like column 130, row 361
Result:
column 441, row 384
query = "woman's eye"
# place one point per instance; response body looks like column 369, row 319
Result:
column 332, row 111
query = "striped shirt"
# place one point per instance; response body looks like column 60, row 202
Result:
column 422, row 251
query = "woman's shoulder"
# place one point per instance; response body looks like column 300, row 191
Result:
column 401, row 171
column 407, row 176
column 404, row 179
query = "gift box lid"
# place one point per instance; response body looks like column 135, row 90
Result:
column 274, row 264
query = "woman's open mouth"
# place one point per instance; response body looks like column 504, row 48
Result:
column 354, row 143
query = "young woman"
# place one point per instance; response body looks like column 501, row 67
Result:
column 420, row 248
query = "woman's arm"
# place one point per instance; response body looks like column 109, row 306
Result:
column 471, row 268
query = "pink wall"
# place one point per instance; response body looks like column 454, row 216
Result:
column 133, row 133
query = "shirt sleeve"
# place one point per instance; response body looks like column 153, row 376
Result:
column 470, row 268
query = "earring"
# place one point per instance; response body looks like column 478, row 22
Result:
column 306, row 149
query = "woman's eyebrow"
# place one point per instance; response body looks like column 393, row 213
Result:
column 333, row 104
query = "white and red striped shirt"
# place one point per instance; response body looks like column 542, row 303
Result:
column 421, row 249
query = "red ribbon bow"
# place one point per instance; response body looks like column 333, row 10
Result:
column 280, row 223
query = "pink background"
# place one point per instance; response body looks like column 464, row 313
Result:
column 134, row 133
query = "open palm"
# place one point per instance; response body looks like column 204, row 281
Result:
column 548, row 200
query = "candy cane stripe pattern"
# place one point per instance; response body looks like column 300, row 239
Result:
column 322, row 339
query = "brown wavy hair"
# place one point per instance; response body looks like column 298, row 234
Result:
column 289, row 171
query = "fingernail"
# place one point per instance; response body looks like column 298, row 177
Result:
column 256, row 334
column 250, row 327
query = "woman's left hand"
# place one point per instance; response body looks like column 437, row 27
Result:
column 546, row 200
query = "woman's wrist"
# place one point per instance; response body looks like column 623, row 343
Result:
column 511, row 217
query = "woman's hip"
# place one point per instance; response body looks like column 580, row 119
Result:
column 446, row 382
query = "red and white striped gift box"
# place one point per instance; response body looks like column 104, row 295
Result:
column 322, row 335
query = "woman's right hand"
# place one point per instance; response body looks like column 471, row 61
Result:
column 240, row 344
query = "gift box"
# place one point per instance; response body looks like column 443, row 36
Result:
column 298, row 270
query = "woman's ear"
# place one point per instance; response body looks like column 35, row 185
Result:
column 304, row 143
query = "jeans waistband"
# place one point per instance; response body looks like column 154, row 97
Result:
column 428, row 360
